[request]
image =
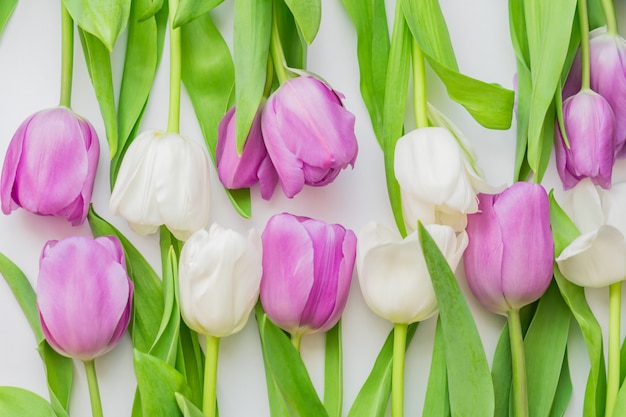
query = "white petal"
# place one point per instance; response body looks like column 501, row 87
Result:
column 613, row 204
column 584, row 206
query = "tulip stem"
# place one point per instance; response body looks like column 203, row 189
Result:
column 94, row 392
column 276, row 49
column 518, row 365
column 613, row 381
column 210, row 376
column 584, row 45
column 67, row 57
column 173, row 121
column 419, row 86
column 397, row 375
column 296, row 340
column 609, row 16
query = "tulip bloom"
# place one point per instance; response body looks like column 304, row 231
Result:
column 308, row 133
column 437, row 182
column 590, row 126
column 50, row 165
column 163, row 180
column 596, row 258
column 219, row 279
column 252, row 166
column 83, row 295
column 307, row 270
column 393, row 275
column 508, row 261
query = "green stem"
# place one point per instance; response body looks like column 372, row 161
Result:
column 613, row 380
column 609, row 16
column 210, row 376
column 67, row 57
column 397, row 375
column 518, row 365
column 583, row 18
column 419, row 86
column 296, row 340
column 276, row 50
column 94, row 392
column 173, row 121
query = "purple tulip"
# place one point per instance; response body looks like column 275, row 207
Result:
column 590, row 126
column 83, row 295
column 252, row 166
column 308, row 133
column 307, row 270
column 50, row 165
column 508, row 261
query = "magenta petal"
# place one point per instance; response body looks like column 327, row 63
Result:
column 9, row 169
column 268, row 178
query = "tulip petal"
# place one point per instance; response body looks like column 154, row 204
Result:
column 613, row 203
column 585, row 206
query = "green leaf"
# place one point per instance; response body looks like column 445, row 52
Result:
column 147, row 8
column 189, row 10
column 104, row 19
column 308, row 14
column 620, row 402
column 333, row 372
column 6, row 10
column 20, row 402
column 397, row 84
column 148, row 295
column 437, row 401
column 98, row 60
column 469, row 380
column 253, row 19
column 370, row 21
column 190, row 362
column 187, row 407
column 373, row 397
column 563, row 391
column 294, row 46
column 209, row 80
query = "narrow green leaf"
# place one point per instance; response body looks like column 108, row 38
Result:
column 187, row 407
column 189, row 10
column 104, row 19
column 6, row 10
column 98, row 60
column 20, row 402
column 437, row 401
column 373, row 397
column 147, row 8
column 190, row 363
column 308, row 14
column 563, row 390
column 517, row 28
column 333, row 372
column 524, row 86
column 370, row 21
column 397, row 85
column 620, row 402
column 294, row 46
column 469, row 380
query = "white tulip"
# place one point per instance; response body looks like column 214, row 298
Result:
column 163, row 180
column 392, row 271
column 437, row 182
column 219, row 280
column 596, row 258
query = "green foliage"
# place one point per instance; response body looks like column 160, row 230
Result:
column 6, row 10
column 104, row 19
column 20, row 402
column 308, row 15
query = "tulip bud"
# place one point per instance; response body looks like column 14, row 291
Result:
column 437, row 182
column 252, row 166
column 393, row 275
column 163, row 180
column 84, row 295
column 307, row 269
column 50, row 165
column 308, row 133
column 219, row 279
column 508, row 261
column 590, row 126
column 596, row 258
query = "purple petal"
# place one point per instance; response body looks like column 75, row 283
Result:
column 9, row 169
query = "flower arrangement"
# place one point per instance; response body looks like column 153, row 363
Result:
column 312, row 208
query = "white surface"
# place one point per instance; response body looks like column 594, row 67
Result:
column 29, row 81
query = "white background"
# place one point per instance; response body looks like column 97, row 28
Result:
column 29, row 81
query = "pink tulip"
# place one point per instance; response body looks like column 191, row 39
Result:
column 307, row 270
column 308, row 133
column 50, row 165
column 83, row 295
column 508, row 261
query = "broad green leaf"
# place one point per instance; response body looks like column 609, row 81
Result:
column 209, row 80
column 104, row 19
column 373, row 397
column 620, row 402
column 370, row 20
column 397, row 84
column 308, row 14
column 98, row 60
column 20, row 402
column 469, row 380
column 596, row 14
column 187, row 407
column 294, row 46
column 563, row 391
column 6, row 10
column 148, row 295
column 437, row 402
column 189, row 10
column 333, row 372
column 145, row 9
